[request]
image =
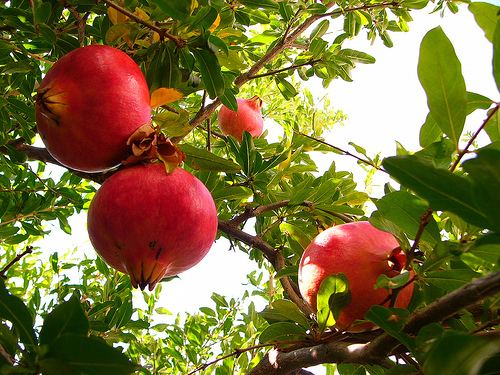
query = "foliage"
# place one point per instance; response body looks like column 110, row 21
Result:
column 202, row 54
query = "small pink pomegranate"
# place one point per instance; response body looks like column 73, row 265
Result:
column 150, row 224
column 248, row 117
column 88, row 104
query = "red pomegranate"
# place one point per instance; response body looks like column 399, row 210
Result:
column 150, row 224
column 362, row 253
column 248, row 117
column 88, row 104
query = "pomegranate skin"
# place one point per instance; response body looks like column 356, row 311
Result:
column 150, row 224
column 88, row 104
column 362, row 253
column 248, row 117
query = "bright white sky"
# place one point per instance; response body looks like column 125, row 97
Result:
column 385, row 103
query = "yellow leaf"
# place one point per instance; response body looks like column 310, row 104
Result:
column 163, row 96
column 286, row 163
column 141, row 14
column 215, row 24
column 116, row 17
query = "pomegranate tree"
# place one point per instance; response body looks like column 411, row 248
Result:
column 88, row 104
column 362, row 253
column 150, row 224
column 248, row 117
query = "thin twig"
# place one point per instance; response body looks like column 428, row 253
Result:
column 163, row 34
column 28, row 250
column 473, row 138
column 47, row 186
column 347, row 153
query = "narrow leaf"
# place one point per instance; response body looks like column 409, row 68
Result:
column 210, row 71
column 333, row 296
column 496, row 54
column 440, row 73
column 201, row 159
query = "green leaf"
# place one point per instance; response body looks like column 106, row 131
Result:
column 201, row 159
column 391, row 321
column 440, row 73
column 450, row 280
column 486, row 16
column 320, row 30
column 429, row 132
column 285, row 311
column 438, row 153
column 285, row 87
column 248, row 154
column 232, row 193
column 282, row 331
column 178, row 9
column 14, row 310
column 458, row 354
column 67, row 317
column 298, row 235
column 386, row 282
column 229, row 99
column 265, row 4
column 203, row 19
column 405, row 210
column 91, row 355
column 496, row 55
column 210, row 71
column 443, row 190
column 492, row 127
column 333, row 296
column 357, row 56
column 484, row 170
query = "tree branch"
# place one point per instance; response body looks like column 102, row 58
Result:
column 377, row 350
column 41, row 154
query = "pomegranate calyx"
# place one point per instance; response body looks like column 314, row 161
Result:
column 256, row 101
column 147, row 144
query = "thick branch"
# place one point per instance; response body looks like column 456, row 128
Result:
column 377, row 351
column 276, row 259
column 41, row 154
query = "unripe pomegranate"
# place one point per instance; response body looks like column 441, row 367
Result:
column 88, row 104
column 248, row 117
column 362, row 253
column 150, row 224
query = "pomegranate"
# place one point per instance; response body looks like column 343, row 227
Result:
column 248, row 117
column 150, row 224
column 88, row 104
column 362, row 253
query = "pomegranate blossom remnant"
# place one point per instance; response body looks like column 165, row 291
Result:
column 88, row 104
column 248, row 117
column 150, row 224
column 362, row 253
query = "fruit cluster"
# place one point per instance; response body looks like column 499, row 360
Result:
column 143, row 221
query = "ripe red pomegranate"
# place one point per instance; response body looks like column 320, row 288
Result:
column 150, row 224
column 88, row 104
column 362, row 253
column 248, row 117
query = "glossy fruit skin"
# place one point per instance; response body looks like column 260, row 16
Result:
column 362, row 253
column 88, row 104
column 150, row 224
column 248, row 117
